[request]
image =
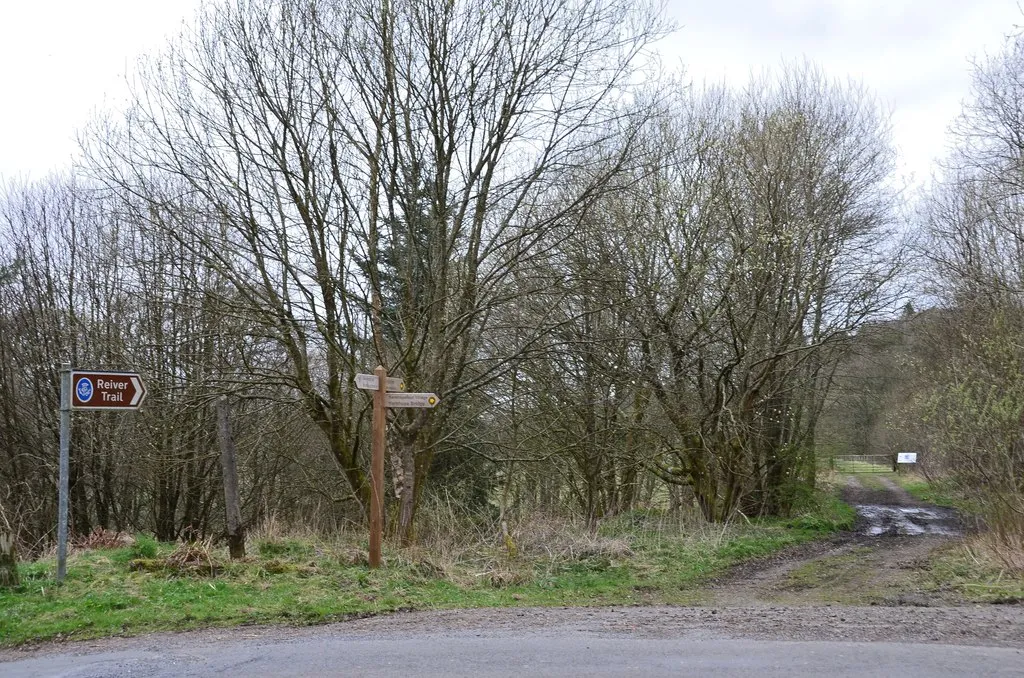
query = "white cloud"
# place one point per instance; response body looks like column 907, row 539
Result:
column 60, row 60
column 914, row 54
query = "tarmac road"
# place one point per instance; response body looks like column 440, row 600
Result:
column 556, row 651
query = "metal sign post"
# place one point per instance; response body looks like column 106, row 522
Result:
column 62, row 491
column 384, row 396
column 87, row 390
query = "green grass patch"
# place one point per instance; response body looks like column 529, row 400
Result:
column 967, row 570
column 936, row 492
column 291, row 548
column 824, row 513
column 836, row 572
column 636, row 558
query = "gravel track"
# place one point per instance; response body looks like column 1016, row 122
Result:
column 990, row 626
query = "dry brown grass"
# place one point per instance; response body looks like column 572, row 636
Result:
column 1010, row 552
column 466, row 549
column 194, row 557
column 1004, row 538
column 273, row 529
column 100, row 538
column 553, row 538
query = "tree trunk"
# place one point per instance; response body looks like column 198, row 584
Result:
column 8, row 561
column 232, row 504
column 408, row 498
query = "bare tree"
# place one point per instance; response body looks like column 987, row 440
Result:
column 369, row 176
column 971, row 396
column 768, row 248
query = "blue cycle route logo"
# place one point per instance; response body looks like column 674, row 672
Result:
column 83, row 389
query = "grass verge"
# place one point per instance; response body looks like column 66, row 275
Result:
column 970, row 571
column 936, row 493
column 638, row 557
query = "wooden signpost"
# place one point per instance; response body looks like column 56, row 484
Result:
column 87, row 390
column 386, row 393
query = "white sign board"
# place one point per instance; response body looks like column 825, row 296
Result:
column 906, row 458
column 410, row 400
column 369, row 382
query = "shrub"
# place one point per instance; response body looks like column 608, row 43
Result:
column 145, row 546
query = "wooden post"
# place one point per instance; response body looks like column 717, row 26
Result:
column 232, row 504
column 377, row 467
column 8, row 561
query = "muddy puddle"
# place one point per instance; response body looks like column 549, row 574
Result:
column 879, row 519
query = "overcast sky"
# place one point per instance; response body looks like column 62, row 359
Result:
column 62, row 59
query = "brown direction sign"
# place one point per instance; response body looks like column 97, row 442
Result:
column 92, row 390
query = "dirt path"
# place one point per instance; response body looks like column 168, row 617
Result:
column 881, row 563
column 876, row 489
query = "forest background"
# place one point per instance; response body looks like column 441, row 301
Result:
column 629, row 292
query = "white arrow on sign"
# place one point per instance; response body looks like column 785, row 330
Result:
column 410, row 400
column 369, row 382
column 140, row 392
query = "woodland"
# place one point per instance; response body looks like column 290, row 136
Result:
column 629, row 291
